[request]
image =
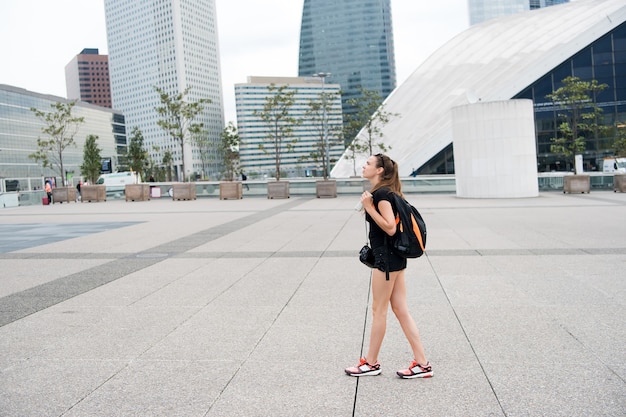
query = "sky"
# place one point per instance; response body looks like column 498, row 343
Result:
column 38, row 38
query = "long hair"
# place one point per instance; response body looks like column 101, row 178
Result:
column 390, row 177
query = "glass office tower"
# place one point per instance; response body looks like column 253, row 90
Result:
column 353, row 41
column 171, row 44
column 482, row 10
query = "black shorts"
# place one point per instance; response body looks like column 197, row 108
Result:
column 396, row 262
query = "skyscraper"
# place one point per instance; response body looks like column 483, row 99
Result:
column 353, row 41
column 173, row 45
column 87, row 78
column 481, row 10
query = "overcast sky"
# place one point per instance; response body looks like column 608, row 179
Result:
column 257, row 37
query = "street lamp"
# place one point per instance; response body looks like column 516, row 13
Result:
column 323, row 76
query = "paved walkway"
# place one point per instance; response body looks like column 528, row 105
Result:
column 254, row 307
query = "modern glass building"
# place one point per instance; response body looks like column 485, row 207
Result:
column 603, row 60
column 173, row 45
column 524, row 56
column 481, row 10
column 353, row 41
column 20, row 128
column 297, row 159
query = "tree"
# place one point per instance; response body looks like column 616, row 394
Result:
column 280, row 123
column 619, row 144
column 327, row 136
column 167, row 164
column 178, row 117
column 578, row 115
column 370, row 118
column 61, row 127
column 230, row 149
column 92, row 161
column 204, row 145
column 137, row 155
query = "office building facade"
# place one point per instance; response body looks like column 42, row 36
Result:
column 482, row 10
column 296, row 158
column 20, row 129
column 172, row 45
column 87, row 78
column 353, row 41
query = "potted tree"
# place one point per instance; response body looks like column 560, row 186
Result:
column 178, row 116
column 137, row 159
column 324, row 116
column 229, row 146
column 578, row 116
column 276, row 115
column 60, row 127
column 90, row 168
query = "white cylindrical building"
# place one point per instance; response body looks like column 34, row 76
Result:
column 494, row 149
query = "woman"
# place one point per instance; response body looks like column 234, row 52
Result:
column 382, row 173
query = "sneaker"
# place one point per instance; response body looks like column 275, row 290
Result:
column 416, row 371
column 364, row 369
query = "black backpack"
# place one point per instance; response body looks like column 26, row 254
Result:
column 410, row 238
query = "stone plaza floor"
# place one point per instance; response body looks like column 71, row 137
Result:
column 254, row 307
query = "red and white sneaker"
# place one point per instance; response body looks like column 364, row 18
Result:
column 364, row 369
column 416, row 371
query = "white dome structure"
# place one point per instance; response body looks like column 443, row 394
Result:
column 492, row 61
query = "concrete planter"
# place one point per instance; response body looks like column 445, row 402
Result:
column 619, row 183
column 93, row 193
column 278, row 189
column 231, row 190
column 63, row 194
column 326, row 189
column 576, row 184
column 184, row 191
column 137, row 192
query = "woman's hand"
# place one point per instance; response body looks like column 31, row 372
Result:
column 367, row 201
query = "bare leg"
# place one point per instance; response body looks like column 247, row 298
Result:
column 381, row 293
column 401, row 311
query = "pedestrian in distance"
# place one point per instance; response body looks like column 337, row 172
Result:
column 49, row 192
column 382, row 173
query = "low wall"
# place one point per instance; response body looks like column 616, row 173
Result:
column 345, row 186
column 9, row 200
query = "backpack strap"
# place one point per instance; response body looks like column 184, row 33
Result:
column 387, row 244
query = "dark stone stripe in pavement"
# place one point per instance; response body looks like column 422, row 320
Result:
column 187, row 243
column 24, row 303
column 61, row 255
